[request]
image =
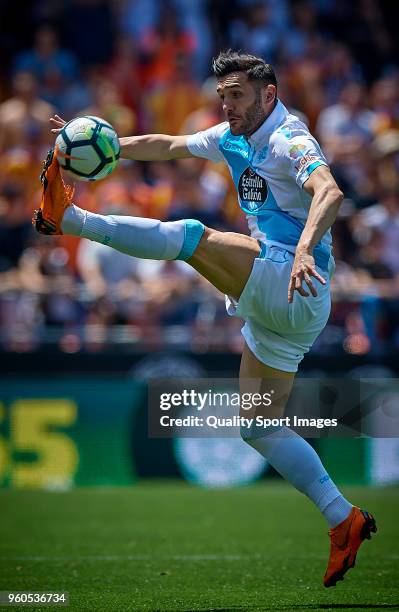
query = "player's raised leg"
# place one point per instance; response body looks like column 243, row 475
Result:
column 224, row 258
column 298, row 463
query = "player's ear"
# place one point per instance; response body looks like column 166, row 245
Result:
column 269, row 93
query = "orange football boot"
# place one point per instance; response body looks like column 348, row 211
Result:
column 55, row 199
column 346, row 539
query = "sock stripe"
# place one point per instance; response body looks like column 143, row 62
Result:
column 193, row 231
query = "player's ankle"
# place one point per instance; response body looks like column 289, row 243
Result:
column 73, row 220
column 337, row 511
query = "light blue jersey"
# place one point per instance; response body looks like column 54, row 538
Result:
column 269, row 169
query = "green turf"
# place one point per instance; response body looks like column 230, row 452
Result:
column 169, row 546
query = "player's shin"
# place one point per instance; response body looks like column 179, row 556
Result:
column 136, row 236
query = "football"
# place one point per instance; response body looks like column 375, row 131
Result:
column 88, row 148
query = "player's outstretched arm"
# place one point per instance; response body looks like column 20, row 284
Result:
column 154, row 147
column 326, row 200
column 150, row 147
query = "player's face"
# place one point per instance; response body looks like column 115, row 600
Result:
column 244, row 103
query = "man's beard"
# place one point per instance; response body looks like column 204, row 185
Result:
column 253, row 118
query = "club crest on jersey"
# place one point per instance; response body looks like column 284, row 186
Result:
column 252, row 190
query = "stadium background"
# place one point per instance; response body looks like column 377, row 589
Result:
column 83, row 328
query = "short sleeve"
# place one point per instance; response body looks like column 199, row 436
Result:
column 206, row 143
column 298, row 153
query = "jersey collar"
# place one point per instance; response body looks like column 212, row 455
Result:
column 269, row 125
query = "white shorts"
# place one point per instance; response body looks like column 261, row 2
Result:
column 276, row 332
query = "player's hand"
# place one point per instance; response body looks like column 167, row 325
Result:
column 58, row 123
column 303, row 269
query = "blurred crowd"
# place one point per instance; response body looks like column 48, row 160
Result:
column 144, row 65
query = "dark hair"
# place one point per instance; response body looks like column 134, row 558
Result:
column 255, row 67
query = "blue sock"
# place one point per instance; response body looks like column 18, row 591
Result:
column 299, row 464
column 137, row 236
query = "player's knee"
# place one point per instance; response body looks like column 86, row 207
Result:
column 210, row 234
column 246, row 434
column 208, row 237
column 250, row 433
